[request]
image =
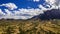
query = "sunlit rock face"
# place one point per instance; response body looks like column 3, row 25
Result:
column 50, row 14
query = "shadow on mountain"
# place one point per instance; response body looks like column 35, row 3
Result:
column 50, row 14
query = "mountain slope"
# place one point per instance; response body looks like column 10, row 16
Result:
column 50, row 14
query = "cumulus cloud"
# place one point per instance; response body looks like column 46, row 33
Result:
column 10, row 6
column 36, row 0
column 54, row 3
column 31, row 11
column 7, row 11
column 50, row 1
column 21, row 13
column 1, row 12
column 51, row 4
column 16, row 17
column 45, row 9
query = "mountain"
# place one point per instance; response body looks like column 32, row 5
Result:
column 50, row 14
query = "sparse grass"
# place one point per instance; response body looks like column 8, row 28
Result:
column 30, row 26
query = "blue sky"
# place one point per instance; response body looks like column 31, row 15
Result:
column 23, row 3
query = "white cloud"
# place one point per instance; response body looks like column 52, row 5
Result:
column 21, row 13
column 30, row 11
column 51, row 1
column 1, row 12
column 16, row 17
column 8, row 12
column 10, row 6
column 54, row 3
column 18, row 14
column 36, row 0
column 43, row 8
